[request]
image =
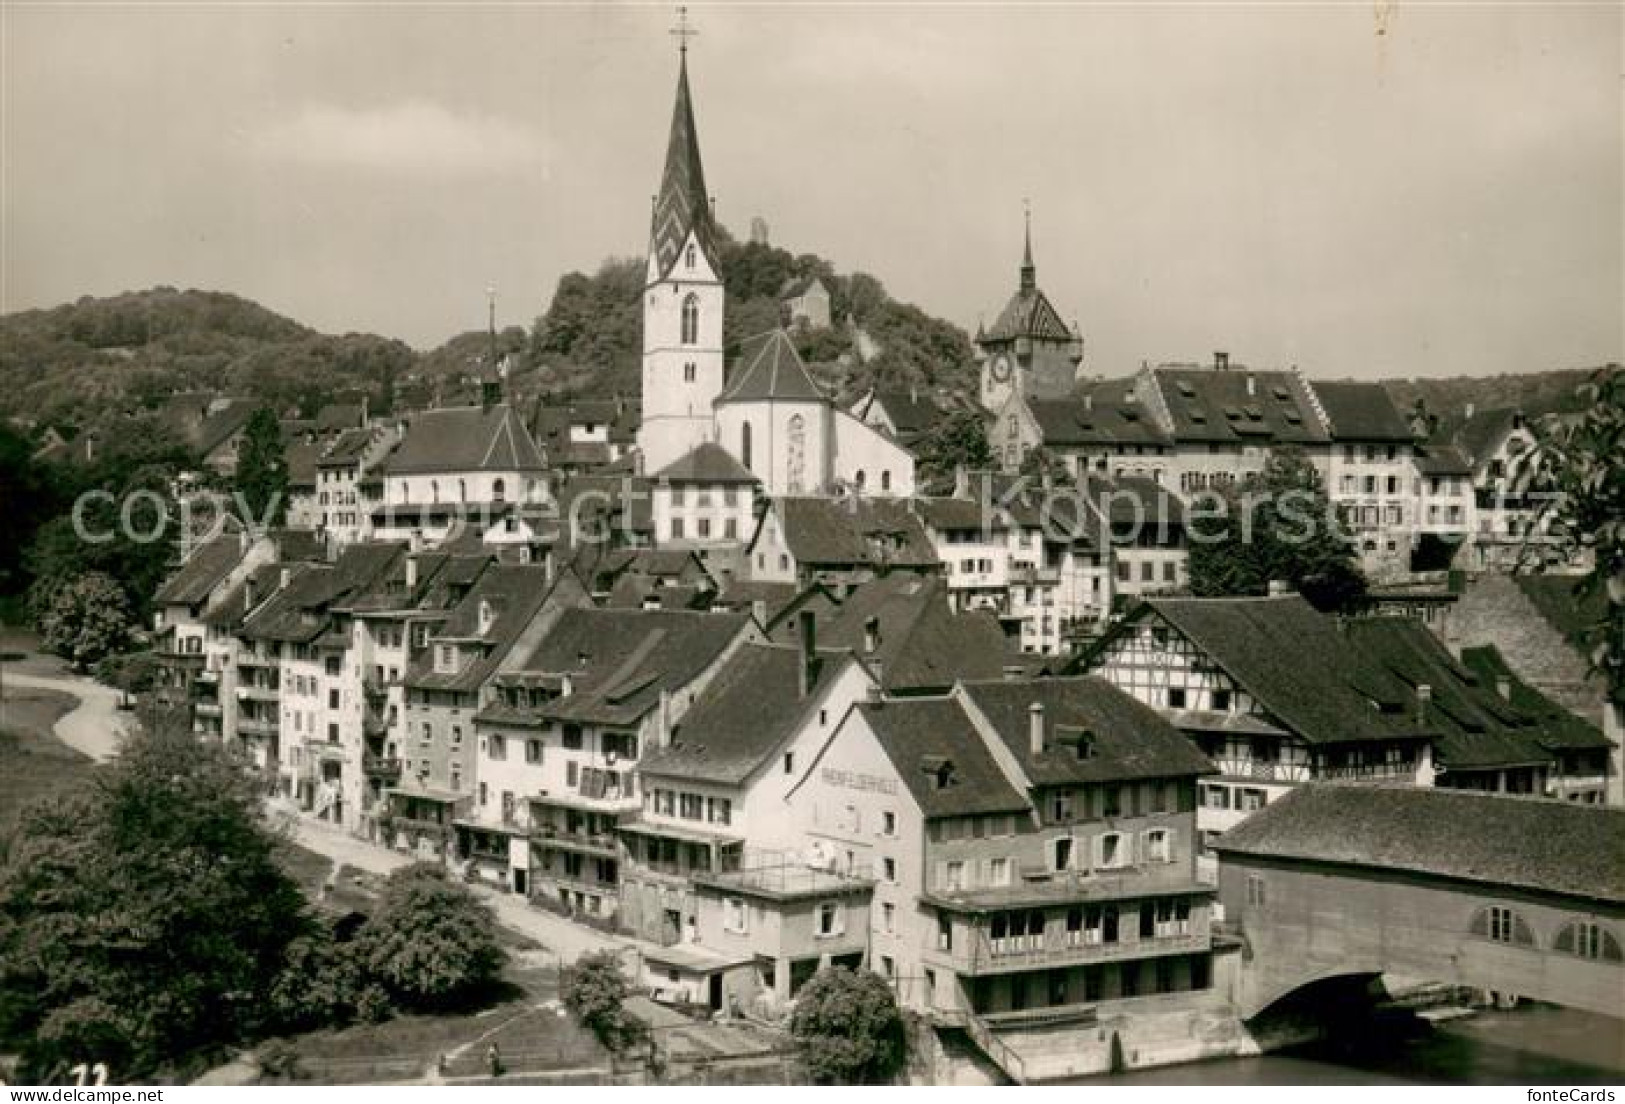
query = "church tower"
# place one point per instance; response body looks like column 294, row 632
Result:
column 682, row 299
column 1029, row 351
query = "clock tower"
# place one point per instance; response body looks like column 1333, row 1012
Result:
column 1029, row 351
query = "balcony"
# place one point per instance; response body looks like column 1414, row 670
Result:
column 258, row 693
column 204, row 708
column 256, row 726
column 1057, row 947
column 602, row 844
column 185, row 661
column 378, row 766
column 247, row 657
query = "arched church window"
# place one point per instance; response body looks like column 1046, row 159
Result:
column 1501, row 924
column 885, row 480
column 689, row 258
column 691, row 319
column 795, row 455
column 1587, row 939
column 859, row 479
column 744, row 444
column 498, row 489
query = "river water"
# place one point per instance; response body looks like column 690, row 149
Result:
column 1529, row 1045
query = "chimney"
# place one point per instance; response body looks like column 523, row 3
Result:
column 809, row 650
column 1467, row 411
column 1424, row 698
column 1221, row 360
column 250, row 594
column 1252, row 385
column 283, row 576
column 1503, row 687
column 664, row 734
column 1089, row 401
column 871, row 635
column 1035, row 728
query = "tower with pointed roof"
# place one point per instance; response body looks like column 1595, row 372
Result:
column 682, row 299
column 1029, row 350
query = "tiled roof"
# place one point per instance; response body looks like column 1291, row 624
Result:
column 466, row 439
column 619, row 661
column 910, row 412
column 924, row 646
column 683, row 206
column 706, row 463
column 346, row 449
column 204, row 570
column 797, row 286
column 874, row 531
column 941, row 758
column 1361, row 412
column 769, row 368
column 337, row 417
column 301, row 458
column 1443, row 459
column 1498, row 841
column 218, row 427
column 946, row 513
column 1560, row 730
column 299, row 612
column 1029, row 313
column 514, row 594
column 751, row 706
column 1262, row 642
column 1094, row 732
column 1474, row 727
column 1105, row 412
column 231, row 611
column 1477, row 434
column 1216, row 406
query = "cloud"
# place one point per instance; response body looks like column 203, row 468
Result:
column 414, row 136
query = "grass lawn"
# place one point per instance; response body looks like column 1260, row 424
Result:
column 34, row 764
column 530, row 1039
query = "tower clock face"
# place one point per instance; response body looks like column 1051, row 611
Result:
column 1000, row 369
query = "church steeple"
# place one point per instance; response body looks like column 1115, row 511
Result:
column 683, row 206
column 1029, row 271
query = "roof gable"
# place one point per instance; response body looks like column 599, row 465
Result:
column 770, row 369
column 466, row 439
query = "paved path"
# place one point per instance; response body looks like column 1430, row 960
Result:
column 95, row 727
column 566, row 939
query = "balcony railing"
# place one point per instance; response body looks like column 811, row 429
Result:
column 1064, row 948
column 255, row 726
column 378, row 766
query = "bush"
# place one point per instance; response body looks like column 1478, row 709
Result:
column 595, row 989
column 432, row 944
column 848, row 1029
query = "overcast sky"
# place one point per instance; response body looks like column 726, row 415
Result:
column 1360, row 189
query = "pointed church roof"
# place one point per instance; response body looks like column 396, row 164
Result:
column 1029, row 312
column 771, row 369
column 465, row 439
column 683, row 206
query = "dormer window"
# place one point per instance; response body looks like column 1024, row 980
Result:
column 487, row 615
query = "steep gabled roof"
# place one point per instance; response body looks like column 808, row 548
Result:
column 1559, row 730
column 1362, row 412
column 872, row 531
column 910, row 412
column 941, row 758
column 1093, row 732
column 706, row 463
column 1105, row 412
column 513, row 594
column 1500, row 841
column 1262, row 644
column 204, row 569
column 683, row 206
column 619, row 661
column 750, row 707
column 923, row 645
column 1239, row 405
column 466, row 439
column 769, row 368
column 222, row 424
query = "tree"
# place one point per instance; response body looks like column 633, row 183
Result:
column 1583, row 459
column 957, row 441
column 1040, row 464
column 595, row 989
column 848, row 1029
column 262, row 470
column 1278, row 525
column 85, row 619
column 28, row 497
column 142, row 918
column 431, row 944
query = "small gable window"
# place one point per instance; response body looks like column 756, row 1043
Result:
column 688, row 256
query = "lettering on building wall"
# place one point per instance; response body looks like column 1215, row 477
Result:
column 855, row 780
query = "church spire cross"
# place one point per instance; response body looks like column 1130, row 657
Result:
column 1029, row 272
column 683, row 31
